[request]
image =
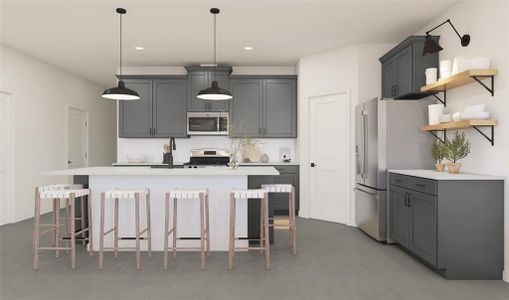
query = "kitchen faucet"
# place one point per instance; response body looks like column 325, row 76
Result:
column 173, row 146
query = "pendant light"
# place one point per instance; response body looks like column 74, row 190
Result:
column 215, row 93
column 120, row 92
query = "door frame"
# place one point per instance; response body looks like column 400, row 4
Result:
column 10, row 157
column 305, row 151
column 68, row 108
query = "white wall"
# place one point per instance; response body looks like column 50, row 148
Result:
column 354, row 69
column 40, row 94
column 488, row 26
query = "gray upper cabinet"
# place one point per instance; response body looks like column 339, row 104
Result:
column 160, row 112
column 199, row 78
column 169, row 108
column 403, row 69
column 135, row 117
column 264, row 106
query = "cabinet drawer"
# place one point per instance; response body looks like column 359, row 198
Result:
column 423, row 185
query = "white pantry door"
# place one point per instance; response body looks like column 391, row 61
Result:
column 77, row 138
column 329, row 144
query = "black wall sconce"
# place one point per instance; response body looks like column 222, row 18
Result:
column 431, row 46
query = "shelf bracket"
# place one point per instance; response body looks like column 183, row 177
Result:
column 492, row 89
column 444, row 101
column 492, row 139
column 434, row 133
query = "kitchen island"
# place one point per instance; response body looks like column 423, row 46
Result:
column 218, row 180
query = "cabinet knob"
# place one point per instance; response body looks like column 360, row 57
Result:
column 313, row 165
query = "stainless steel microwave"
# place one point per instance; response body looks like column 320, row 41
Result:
column 207, row 123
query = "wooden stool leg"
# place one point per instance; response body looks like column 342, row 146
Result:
column 202, row 230
column 207, row 223
column 73, row 230
column 90, row 227
column 149, row 227
column 293, row 228
column 231, row 243
column 166, row 230
column 37, row 221
column 266, row 223
column 101, row 235
column 82, row 217
column 174, row 227
column 67, row 224
column 262, row 232
column 137, row 216
column 57, row 228
column 115, row 231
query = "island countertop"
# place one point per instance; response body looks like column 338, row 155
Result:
column 147, row 171
column 434, row 175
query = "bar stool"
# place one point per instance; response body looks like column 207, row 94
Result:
column 128, row 195
column 264, row 224
column 203, row 196
column 292, row 227
column 57, row 192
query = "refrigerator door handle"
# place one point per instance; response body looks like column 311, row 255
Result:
column 365, row 142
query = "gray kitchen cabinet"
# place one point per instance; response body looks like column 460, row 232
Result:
column 199, row 78
column 160, row 112
column 403, row 69
column 169, row 108
column 278, row 203
column 272, row 100
column 135, row 117
column 454, row 226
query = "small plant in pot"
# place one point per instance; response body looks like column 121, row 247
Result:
column 456, row 149
column 438, row 152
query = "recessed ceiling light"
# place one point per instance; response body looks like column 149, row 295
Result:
column 139, row 48
column 248, row 48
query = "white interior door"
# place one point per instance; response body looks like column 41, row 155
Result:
column 329, row 156
column 77, row 138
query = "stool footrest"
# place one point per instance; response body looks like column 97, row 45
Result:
column 169, row 232
column 68, row 238
column 131, row 238
column 249, row 248
column 109, row 231
column 54, row 248
column 184, row 248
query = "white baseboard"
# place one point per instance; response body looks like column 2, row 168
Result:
column 505, row 276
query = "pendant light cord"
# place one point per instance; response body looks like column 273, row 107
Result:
column 120, row 46
column 215, row 55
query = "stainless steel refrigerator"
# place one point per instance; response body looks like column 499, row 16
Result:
column 387, row 137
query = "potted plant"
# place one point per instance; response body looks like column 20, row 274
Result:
column 438, row 152
column 456, row 149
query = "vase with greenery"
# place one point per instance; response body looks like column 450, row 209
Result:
column 241, row 143
column 456, row 149
column 438, row 152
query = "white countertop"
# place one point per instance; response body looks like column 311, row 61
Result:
column 432, row 174
column 147, row 171
column 180, row 163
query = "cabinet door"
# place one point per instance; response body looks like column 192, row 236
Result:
column 399, row 217
column 389, row 78
column 423, row 226
column 196, row 81
column 280, row 108
column 135, row 117
column 405, row 72
column 222, row 80
column 169, row 108
column 245, row 112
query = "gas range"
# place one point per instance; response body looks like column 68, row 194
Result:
column 201, row 158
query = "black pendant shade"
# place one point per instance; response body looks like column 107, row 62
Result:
column 214, row 93
column 431, row 46
column 120, row 92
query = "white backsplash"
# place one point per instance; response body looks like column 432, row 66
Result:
column 153, row 148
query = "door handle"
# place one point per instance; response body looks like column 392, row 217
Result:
column 155, row 130
column 313, row 165
column 69, row 162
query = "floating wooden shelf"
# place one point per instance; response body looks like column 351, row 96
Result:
column 463, row 124
column 461, row 79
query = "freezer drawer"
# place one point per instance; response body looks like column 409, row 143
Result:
column 370, row 212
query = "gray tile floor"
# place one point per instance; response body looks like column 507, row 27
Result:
column 333, row 262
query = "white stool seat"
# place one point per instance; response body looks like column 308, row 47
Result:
column 61, row 194
column 187, row 194
column 277, row 188
column 244, row 194
column 125, row 194
column 60, row 187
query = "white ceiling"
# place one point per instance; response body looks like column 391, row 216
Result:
column 82, row 36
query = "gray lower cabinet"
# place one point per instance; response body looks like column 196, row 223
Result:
column 278, row 203
column 264, row 106
column 454, row 226
column 160, row 112
column 199, row 78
